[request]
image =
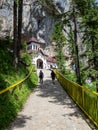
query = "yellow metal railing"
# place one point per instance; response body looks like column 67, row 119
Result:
column 86, row 99
column 15, row 85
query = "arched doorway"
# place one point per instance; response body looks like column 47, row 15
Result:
column 39, row 64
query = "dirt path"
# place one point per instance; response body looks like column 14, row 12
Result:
column 50, row 108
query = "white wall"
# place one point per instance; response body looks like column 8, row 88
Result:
column 34, row 61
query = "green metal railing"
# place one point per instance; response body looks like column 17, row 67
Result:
column 86, row 99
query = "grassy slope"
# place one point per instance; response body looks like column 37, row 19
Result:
column 12, row 101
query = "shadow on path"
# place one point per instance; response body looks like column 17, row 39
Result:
column 20, row 122
column 60, row 97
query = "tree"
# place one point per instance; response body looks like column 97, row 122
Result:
column 20, row 9
column 89, row 14
column 17, row 18
column 59, row 38
column 76, row 47
column 15, row 35
column 50, row 7
column 71, row 23
column 69, row 16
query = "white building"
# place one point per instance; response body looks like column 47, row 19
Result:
column 39, row 58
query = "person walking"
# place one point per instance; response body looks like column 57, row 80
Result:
column 53, row 76
column 41, row 76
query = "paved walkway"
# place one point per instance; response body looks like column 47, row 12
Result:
column 50, row 108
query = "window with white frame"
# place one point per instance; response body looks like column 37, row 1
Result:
column 35, row 46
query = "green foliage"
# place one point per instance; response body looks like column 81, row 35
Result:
column 12, row 101
column 17, row 2
column 91, row 87
column 60, row 61
column 5, row 59
column 59, row 38
column 90, row 38
column 70, row 75
column 57, row 35
column 86, row 15
column 25, row 57
column 50, row 7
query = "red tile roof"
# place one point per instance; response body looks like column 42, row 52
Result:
column 41, row 50
column 33, row 40
column 51, row 59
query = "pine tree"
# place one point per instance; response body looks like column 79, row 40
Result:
column 20, row 11
column 17, row 17
column 59, row 38
column 70, row 24
column 15, row 33
column 89, row 14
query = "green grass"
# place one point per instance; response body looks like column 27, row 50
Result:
column 11, row 102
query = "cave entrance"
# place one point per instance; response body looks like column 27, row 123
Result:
column 39, row 64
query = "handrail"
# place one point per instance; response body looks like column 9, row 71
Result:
column 14, row 85
column 86, row 99
column 90, row 91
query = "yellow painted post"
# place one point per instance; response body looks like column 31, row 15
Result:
column 83, row 96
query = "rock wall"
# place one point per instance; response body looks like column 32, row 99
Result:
column 6, row 22
column 36, row 20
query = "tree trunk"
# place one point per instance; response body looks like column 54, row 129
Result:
column 76, row 49
column 20, row 10
column 94, row 62
column 15, row 35
column 93, row 51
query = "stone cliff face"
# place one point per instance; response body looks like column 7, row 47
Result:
column 36, row 20
column 5, row 18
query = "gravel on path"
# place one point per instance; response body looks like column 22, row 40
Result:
column 50, row 108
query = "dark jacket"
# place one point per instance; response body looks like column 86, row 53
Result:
column 41, row 75
column 52, row 75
